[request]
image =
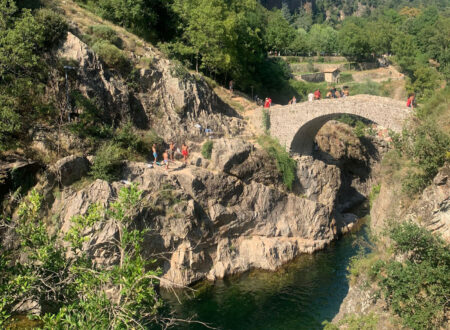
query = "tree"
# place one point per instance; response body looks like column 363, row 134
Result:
column 279, row 34
column 353, row 39
column 323, row 39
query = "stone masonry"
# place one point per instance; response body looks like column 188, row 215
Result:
column 295, row 126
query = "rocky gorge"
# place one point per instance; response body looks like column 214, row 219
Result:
column 215, row 217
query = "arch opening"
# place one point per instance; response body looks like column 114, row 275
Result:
column 303, row 141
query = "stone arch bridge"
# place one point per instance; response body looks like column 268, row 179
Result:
column 296, row 126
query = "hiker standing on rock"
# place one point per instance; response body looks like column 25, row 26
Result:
column 267, row 103
column 185, row 152
column 171, row 150
column 155, row 154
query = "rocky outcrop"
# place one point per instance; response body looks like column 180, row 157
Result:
column 432, row 209
column 163, row 95
column 70, row 169
column 208, row 223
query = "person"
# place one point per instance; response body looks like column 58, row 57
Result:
column 317, row 94
column 329, row 94
column 171, row 150
column 410, row 103
column 267, row 102
column 346, row 91
column 231, row 85
column 155, row 154
column 310, row 97
column 166, row 159
column 294, row 100
column 185, row 152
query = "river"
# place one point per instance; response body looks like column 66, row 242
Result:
column 300, row 295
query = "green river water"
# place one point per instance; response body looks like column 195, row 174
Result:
column 301, row 295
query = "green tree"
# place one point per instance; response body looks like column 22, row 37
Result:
column 322, row 39
column 353, row 39
column 279, row 34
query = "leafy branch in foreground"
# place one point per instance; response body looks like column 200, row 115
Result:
column 71, row 289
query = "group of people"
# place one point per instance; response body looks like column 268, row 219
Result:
column 169, row 154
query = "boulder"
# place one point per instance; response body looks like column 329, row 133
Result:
column 228, row 153
column 70, row 169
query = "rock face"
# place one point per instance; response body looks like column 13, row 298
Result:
column 70, row 169
column 164, row 96
column 431, row 209
column 209, row 223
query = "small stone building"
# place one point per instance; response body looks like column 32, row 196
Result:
column 332, row 75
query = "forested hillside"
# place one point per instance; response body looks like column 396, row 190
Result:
column 231, row 39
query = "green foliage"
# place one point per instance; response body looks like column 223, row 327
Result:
column 111, row 55
column 354, row 322
column 75, row 288
column 107, row 162
column 127, row 139
column 345, row 77
column 369, row 87
column 54, row 26
column 279, row 34
column 360, row 129
column 417, row 289
column 286, row 166
column 374, row 193
column 207, row 149
column 89, row 123
column 266, row 120
column 104, row 32
column 426, row 144
column 24, row 38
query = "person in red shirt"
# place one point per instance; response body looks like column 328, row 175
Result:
column 317, row 94
column 267, row 102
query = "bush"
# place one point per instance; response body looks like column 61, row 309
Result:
column 345, row 77
column 104, row 32
column 360, row 129
column 111, row 55
column 374, row 193
column 286, row 166
column 266, row 120
column 107, row 163
column 54, row 26
column 126, row 138
column 418, row 289
column 207, row 149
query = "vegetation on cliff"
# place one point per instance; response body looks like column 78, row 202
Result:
column 63, row 279
column 411, row 275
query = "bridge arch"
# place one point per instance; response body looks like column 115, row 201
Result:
column 303, row 141
column 296, row 126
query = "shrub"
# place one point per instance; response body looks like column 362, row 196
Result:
column 207, row 149
column 107, row 163
column 111, row 55
column 54, row 26
column 417, row 289
column 285, row 164
column 126, row 138
column 104, row 32
column 345, row 77
column 266, row 120
column 360, row 129
column 374, row 193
